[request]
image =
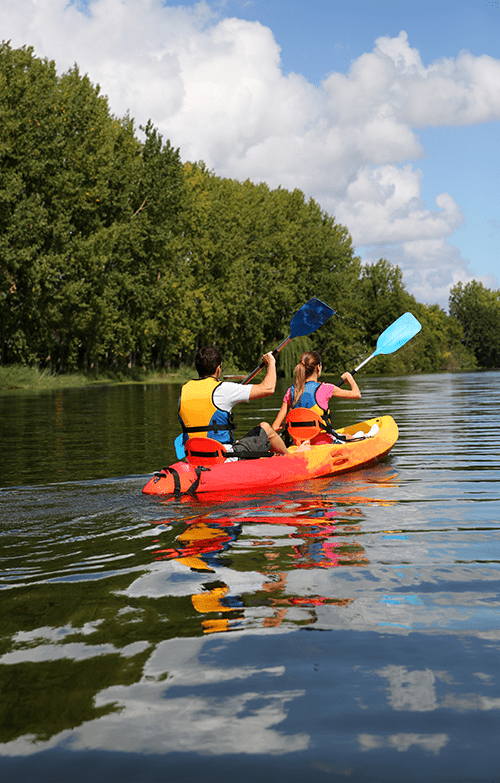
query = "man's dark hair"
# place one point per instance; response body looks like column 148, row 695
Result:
column 207, row 360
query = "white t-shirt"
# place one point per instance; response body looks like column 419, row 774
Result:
column 226, row 396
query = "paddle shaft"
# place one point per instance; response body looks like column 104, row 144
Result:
column 341, row 382
column 394, row 337
column 263, row 364
column 310, row 317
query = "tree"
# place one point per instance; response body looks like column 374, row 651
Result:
column 116, row 254
column 255, row 255
column 436, row 347
column 67, row 167
column 384, row 296
column 86, row 223
column 477, row 309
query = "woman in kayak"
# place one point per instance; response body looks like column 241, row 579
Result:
column 308, row 392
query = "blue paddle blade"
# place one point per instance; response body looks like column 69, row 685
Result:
column 397, row 334
column 179, row 447
column 310, row 317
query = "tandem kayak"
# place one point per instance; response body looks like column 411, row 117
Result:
column 243, row 475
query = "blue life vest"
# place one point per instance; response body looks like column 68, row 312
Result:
column 308, row 400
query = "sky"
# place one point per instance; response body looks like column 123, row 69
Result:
column 386, row 113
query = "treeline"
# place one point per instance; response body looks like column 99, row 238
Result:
column 116, row 254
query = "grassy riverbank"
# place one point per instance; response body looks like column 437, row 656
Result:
column 20, row 377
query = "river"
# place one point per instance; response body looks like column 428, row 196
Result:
column 341, row 629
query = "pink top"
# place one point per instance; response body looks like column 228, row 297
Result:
column 323, row 394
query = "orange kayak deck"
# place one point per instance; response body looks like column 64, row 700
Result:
column 244, row 475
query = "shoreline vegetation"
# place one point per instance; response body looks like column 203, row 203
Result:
column 119, row 259
column 19, row 378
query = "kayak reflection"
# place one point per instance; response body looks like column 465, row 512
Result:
column 316, row 535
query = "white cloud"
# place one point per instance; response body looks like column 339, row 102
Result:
column 431, row 743
column 156, row 714
column 430, row 267
column 383, row 204
column 215, row 88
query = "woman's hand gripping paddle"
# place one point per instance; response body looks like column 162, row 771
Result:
column 310, row 317
column 393, row 338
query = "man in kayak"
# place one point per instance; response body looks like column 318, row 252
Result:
column 206, row 403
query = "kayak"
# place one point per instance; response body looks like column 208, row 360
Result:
column 319, row 461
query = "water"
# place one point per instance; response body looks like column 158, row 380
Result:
column 341, row 629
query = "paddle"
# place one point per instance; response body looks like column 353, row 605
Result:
column 179, row 446
column 310, row 317
column 393, row 338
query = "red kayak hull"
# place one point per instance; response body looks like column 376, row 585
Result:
column 259, row 474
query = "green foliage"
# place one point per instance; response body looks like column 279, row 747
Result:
column 16, row 376
column 250, row 257
column 477, row 310
column 382, row 291
column 118, row 258
column 290, row 355
column 437, row 346
column 80, row 251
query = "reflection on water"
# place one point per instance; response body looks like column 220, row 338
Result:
column 277, row 545
column 332, row 629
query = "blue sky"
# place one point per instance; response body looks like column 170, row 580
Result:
column 385, row 112
column 321, row 36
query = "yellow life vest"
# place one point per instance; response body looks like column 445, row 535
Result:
column 200, row 416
